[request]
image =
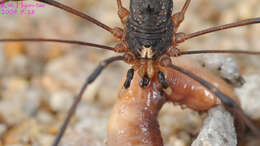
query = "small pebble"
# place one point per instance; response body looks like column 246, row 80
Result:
column 76, row 138
column 44, row 117
column 32, row 101
column 249, row 96
column 218, row 129
column 12, row 112
column 223, row 66
column 3, row 129
column 61, row 101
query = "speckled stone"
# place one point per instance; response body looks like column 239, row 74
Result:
column 218, row 129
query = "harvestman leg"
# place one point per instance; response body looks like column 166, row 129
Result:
column 177, row 19
column 181, row 37
column 88, row 81
column 179, row 16
column 226, row 100
column 117, row 32
column 123, row 13
column 77, row 13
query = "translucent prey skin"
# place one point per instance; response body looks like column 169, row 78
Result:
column 134, row 117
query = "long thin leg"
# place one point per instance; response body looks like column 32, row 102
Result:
column 72, row 11
column 57, row 41
column 177, row 19
column 226, row 100
column 183, row 37
column 117, row 32
column 179, row 16
column 219, row 51
column 77, row 13
column 123, row 13
column 89, row 80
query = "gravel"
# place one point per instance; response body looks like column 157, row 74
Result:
column 218, row 129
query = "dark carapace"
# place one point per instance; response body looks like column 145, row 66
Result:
column 149, row 27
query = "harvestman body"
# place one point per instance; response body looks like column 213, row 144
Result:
column 148, row 41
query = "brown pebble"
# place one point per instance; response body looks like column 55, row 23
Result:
column 55, row 51
column 14, row 49
column 53, row 130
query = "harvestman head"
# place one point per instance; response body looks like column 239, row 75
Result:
column 150, row 37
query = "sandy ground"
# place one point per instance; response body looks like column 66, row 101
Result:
column 38, row 80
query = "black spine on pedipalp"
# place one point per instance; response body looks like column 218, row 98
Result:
column 129, row 77
column 162, row 80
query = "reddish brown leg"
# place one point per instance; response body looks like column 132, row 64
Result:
column 122, row 47
column 57, row 41
column 173, row 51
column 178, row 17
column 181, row 37
column 123, row 13
column 77, row 13
column 117, row 32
